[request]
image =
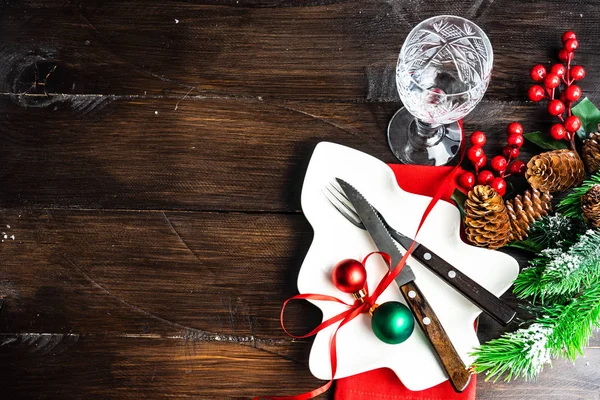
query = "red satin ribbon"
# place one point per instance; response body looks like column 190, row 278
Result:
column 369, row 300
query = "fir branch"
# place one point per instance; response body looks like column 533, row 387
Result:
column 570, row 206
column 574, row 323
column 522, row 353
column 558, row 273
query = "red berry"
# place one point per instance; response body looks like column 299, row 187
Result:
column 515, row 140
column 475, row 153
column 485, row 177
column 499, row 185
column 558, row 131
column 563, row 97
column 514, row 128
column 499, row 163
column 577, row 72
column 481, row 162
column 535, row 93
column 538, row 72
column 551, row 81
column 467, row 180
column 478, row 138
column 517, row 167
column 510, row 152
column 563, row 55
column 559, row 70
column 556, row 107
column 572, row 123
column 573, row 93
column 568, row 35
column 571, row 45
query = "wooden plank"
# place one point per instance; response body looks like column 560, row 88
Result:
column 151, row 272
column 147, row 366
column 209, row 154
column 325, row 50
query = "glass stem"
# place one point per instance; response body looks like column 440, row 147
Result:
column 427, row 135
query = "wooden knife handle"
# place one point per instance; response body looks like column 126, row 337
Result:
column 457, row 372
column 477, row 294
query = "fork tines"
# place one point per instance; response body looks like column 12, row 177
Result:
column 336, row 196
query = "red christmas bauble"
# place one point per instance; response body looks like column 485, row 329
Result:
column 568, row 35
column 517, row 167
column 467, row 180
column 558, row 131
column 515, row 140
column 572, row 123
column 577, row 72
column 556, row 107
column 551, row 81
column 573, row 93
column 499, row 185
column 558, row 69
column 538, row 72
column 499, row 163
column 349, row 276
column 514, row 128
column 571, row 45
column 510, row 152
column 478, row 138
column 485, row 177
column 535, row 93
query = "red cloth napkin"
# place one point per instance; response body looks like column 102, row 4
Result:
column 383, row 384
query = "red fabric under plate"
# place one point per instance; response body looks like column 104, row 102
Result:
column 383, row 384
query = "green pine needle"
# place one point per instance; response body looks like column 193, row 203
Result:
column 573, row 324
column 570, row 206
column 560, row 273
column 522, row 353
column 567, row 284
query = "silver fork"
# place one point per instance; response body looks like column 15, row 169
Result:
column 338, row 199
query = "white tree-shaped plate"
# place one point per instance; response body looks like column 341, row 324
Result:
column 335, row 239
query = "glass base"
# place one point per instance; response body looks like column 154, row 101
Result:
column 410, row 147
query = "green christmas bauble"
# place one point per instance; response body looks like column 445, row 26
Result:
column 392, row 322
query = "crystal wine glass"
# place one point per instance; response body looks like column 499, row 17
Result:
column 442, row 73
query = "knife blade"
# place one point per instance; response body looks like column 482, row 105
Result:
column 466, row 286
column 426, row 318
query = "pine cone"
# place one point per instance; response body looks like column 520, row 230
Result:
column 486, row 219
column 525, row 209
column 555, row 171
column 590, row 204
column 591, row 152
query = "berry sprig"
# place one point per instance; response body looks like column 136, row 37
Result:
column 503, row 165
column 559, row 103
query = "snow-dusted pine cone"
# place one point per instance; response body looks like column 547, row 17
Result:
column 555, row 171
column 525, row 209
column 486, row 219
column 591, row 152
column 590, row 204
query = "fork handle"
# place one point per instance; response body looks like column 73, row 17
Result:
column 477, row 294
column 457, row 372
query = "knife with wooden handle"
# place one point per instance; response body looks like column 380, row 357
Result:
column 458, row 373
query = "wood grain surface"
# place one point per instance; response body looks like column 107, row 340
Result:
column 151, row 162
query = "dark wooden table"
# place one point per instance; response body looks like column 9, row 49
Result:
column 151, row 161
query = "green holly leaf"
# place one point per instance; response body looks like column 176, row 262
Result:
column 589, row 115
column 459, row 198
column 544, row 141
